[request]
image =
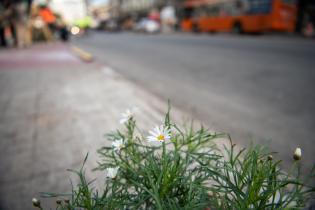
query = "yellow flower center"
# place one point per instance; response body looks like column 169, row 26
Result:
column 161, row 137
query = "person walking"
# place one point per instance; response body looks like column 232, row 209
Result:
column 5, row 14
column 21, row 22
column 49, row 18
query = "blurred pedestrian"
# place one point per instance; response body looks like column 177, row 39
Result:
column 48, row 17
column 168, row 19
column 154, row 15
column 39, row 29
column 21, row 22
column 5, row 14
column 62, row 28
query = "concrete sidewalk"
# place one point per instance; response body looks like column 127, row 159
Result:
column 54, row 109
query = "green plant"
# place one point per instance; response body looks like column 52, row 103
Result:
column 250, row 179
column 178, row 168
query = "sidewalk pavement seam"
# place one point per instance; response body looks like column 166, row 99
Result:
column 82, row 54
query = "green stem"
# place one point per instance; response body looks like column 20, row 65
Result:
column 163, row 152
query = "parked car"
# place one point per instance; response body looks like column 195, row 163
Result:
column 110, row 25
column 147, row 26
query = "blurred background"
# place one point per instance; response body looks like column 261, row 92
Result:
column 44, row 18
column 68, row 68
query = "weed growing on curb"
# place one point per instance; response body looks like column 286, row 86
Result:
column 178, row 168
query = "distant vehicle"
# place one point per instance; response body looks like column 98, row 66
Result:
column 148, row 26
column 110, row 25
column 239, row 16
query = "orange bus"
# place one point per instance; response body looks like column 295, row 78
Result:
column 239, row 16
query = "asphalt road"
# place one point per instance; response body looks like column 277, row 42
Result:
column 257, row 88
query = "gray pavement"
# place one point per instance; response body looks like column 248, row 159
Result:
column 54, row 109
column 257, row 88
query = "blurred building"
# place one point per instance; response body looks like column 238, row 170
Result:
column 99, row 12
column 123, row 8
column 128, row 6
column 114, row 8
column 71, row 10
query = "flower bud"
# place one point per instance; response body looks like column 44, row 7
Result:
column 270, row 157
column 297, row 154
column 36, row 202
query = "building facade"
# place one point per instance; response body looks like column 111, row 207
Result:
column 121, row 8
column 71, row 10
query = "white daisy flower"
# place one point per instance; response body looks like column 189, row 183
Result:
column 159, row 134
column 112, row 172
column 118, row 145
column 297, row 154
column 126, row 116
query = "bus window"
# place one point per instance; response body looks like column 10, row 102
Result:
column 229, row 8
column 259, row 7
column 291, row 2
column 200, row 12
column 213, row 11
column 188, row 12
